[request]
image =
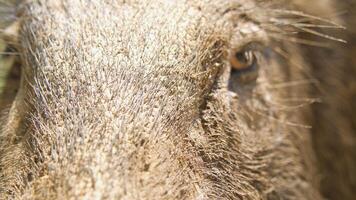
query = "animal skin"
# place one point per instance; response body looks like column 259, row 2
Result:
column 134, row 99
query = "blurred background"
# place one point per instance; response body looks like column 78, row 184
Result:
column 334, row 119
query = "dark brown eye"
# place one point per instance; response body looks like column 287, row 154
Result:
column 243, row 60
column 244, row 66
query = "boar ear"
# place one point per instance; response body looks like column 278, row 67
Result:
column 9, row 21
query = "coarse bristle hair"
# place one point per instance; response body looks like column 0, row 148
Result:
column 140, row 111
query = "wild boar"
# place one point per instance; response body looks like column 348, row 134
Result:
column 158, row 99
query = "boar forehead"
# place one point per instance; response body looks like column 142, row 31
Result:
column 171, row 48
column 143, row 37
column 140, row 58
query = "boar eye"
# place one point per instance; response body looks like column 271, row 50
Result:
column 244, row 65
column 241, row 61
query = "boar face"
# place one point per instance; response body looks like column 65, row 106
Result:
column 159, row 100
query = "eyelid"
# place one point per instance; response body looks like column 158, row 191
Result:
column 253, row 46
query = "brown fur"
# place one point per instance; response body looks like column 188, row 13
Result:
column 134, row 100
